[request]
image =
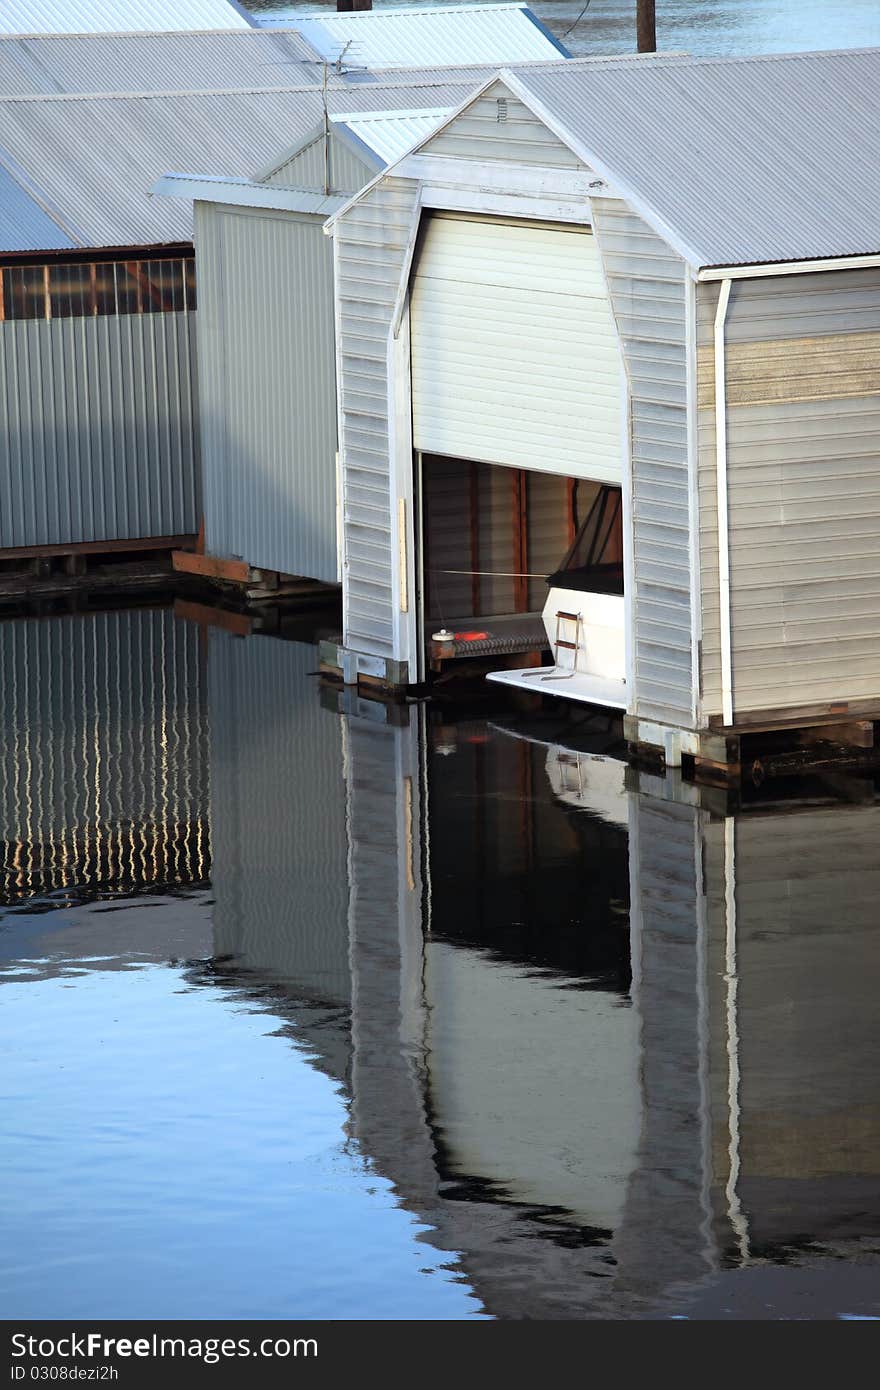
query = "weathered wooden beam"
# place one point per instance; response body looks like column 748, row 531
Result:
column 211, row 566
column 858, row 733
column 27, row 552
column 801, row 716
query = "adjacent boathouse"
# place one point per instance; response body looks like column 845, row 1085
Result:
column 266, row 336
column 660, row 276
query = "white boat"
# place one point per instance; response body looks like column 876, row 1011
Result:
column 584, row 616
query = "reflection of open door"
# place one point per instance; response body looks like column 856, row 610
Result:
column 584, row 614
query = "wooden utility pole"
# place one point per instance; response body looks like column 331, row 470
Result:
column 646, row 27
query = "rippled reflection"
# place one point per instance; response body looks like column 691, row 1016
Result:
column 474, row 1020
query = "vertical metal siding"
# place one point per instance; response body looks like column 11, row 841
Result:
column 306, row 168
column 371, row 250
column 510, row 133
column 99, row 422
column 103, row 754
column 267, row 389
column 803, row 491
column 647, row 286
column 278, row 816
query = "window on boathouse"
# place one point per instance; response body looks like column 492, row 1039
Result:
column 97, row 288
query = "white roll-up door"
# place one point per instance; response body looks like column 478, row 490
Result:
column 514, row 350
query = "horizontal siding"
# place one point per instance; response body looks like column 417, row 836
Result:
column 646, row 282
column 796, row 306
column 822, row 367
column 371, row 247
column 267, row 384
column 98, row 420
column 803, row 500
column 499, row 127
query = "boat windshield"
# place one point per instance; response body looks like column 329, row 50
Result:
column 594, row 564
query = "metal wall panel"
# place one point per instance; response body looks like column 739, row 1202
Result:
column 306, row 168
column 267, row 389
column 103, row 754
column 278, row 817
column 515, row 357
column 646, row 283
column 803, row 502
column 371, row 249
column 99, row 422
column 499, row 127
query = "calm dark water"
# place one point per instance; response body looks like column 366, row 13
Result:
column 306, row 1012
column 707, row 27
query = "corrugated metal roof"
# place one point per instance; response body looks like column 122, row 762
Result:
column 24, row 225
column 100, row 187
column 119, row 16
column 736, row 161
column 436, row 36
column 52, row 63
column 389, row 134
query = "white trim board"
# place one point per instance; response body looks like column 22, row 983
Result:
column 756, row 272
column 504, row 205
column 243, row 193
column 502, row 177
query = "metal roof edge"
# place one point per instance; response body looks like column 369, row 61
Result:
column 211, row 188
column 757, row 270
column 691, row 257
column 246, row 15
column 551, row 38
column 358, row 147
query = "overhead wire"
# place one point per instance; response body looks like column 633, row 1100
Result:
column 578, row 20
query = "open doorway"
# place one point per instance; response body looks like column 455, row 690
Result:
column 496, row 542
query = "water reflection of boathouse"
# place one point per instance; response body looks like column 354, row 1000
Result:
column 103, row 754
column 587, row 1144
